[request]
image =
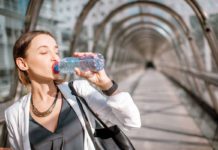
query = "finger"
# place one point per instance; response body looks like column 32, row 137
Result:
column 80, row 53
column 77, row 70
column 83, row 54
column 86, row 74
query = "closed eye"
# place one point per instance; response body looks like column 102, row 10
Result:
column 43, row 52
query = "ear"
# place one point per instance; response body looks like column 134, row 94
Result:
column 21, row 63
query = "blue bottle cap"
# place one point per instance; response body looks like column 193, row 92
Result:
column 55, row 68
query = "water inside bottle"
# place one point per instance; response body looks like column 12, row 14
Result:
column 67, row 65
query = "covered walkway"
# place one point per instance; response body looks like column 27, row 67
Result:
column 166, row 121
column 164, row 52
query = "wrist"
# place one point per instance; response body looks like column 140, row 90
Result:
column 106, row 84
column 110, row 90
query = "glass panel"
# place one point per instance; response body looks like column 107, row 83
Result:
column 211, row 8
column 59, row 19
column 11, row 24
column 196, row 31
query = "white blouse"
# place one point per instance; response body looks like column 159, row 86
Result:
column 117, row 109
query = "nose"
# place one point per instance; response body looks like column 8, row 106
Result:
column 55, row 56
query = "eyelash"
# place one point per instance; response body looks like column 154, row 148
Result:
column 43, row 52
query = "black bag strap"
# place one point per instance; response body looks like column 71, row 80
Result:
column 81, row 99
column 88, row 126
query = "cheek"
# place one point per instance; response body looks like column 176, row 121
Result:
column 37, row 61
column 39, row 65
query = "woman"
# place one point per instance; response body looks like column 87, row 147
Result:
column 49, row 117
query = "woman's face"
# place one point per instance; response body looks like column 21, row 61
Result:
column 40, row 56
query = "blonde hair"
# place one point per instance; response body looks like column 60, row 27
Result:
column 20, row 48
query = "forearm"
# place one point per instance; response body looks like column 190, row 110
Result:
column 119, row 106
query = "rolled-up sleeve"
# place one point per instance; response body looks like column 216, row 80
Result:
column 118, row 109
column 125, row 109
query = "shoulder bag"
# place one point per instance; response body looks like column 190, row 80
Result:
column 104, row 138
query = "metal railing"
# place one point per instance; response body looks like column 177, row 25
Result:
column 209, row 77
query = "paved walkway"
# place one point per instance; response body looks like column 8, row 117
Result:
column 166, row 124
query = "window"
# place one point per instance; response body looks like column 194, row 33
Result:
column 10, row 29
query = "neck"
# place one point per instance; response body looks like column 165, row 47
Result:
column 43, row 92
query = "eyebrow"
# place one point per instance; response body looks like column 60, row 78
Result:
column 45, row 46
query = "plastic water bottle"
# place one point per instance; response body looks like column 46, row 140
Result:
column 85, row 63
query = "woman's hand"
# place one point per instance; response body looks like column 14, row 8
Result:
column 99, row 78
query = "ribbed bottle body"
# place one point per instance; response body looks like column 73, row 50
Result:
column 91, row 63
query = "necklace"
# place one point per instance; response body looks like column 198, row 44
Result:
column 44, row 113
